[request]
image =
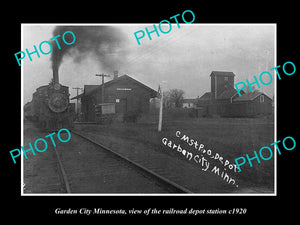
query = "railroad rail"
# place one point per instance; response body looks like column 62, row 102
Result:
column 63, row 172
column 156, row 179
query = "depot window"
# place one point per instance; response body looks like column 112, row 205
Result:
column 261, row 99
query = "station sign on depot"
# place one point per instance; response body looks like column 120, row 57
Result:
column 186, row 14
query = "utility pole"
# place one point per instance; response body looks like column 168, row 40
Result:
column 77, row 88
column 102, row 75
column 160, row 109
column 161, row 105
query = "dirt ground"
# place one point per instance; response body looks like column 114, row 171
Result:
column 229, row 137
column 40, row 171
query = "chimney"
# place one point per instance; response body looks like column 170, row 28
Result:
column 116, row 74
column 55, row 75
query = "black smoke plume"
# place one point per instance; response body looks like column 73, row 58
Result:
column 102, row 42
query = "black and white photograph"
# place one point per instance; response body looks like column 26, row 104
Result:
column 148, row 109
column 169, row 112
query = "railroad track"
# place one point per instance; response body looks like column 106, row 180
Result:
column 89, row 167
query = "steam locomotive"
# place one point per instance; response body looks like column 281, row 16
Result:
column 50, row 107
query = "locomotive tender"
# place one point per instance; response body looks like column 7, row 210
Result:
column 51, row 107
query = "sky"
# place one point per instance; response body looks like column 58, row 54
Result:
column 183, row 58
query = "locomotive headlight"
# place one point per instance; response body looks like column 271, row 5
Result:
column 58, row 102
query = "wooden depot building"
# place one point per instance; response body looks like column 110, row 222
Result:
column 128, row 94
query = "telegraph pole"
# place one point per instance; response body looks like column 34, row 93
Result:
column 77, row 88
column 160, row 109
column 161, row 105
column 102, row 75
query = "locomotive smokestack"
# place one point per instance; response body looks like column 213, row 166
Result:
column 55, row 75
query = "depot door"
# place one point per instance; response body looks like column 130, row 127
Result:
column 90, row 111
column 123, row 105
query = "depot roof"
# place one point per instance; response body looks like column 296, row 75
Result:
column 90, row 89
column 222, row 73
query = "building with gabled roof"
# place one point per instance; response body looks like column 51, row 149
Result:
column 251, row 96
column 224, row 100
column 222, row 88
column 205, row 99
column 128, row 95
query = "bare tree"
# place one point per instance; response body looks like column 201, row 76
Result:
column 173, row 98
